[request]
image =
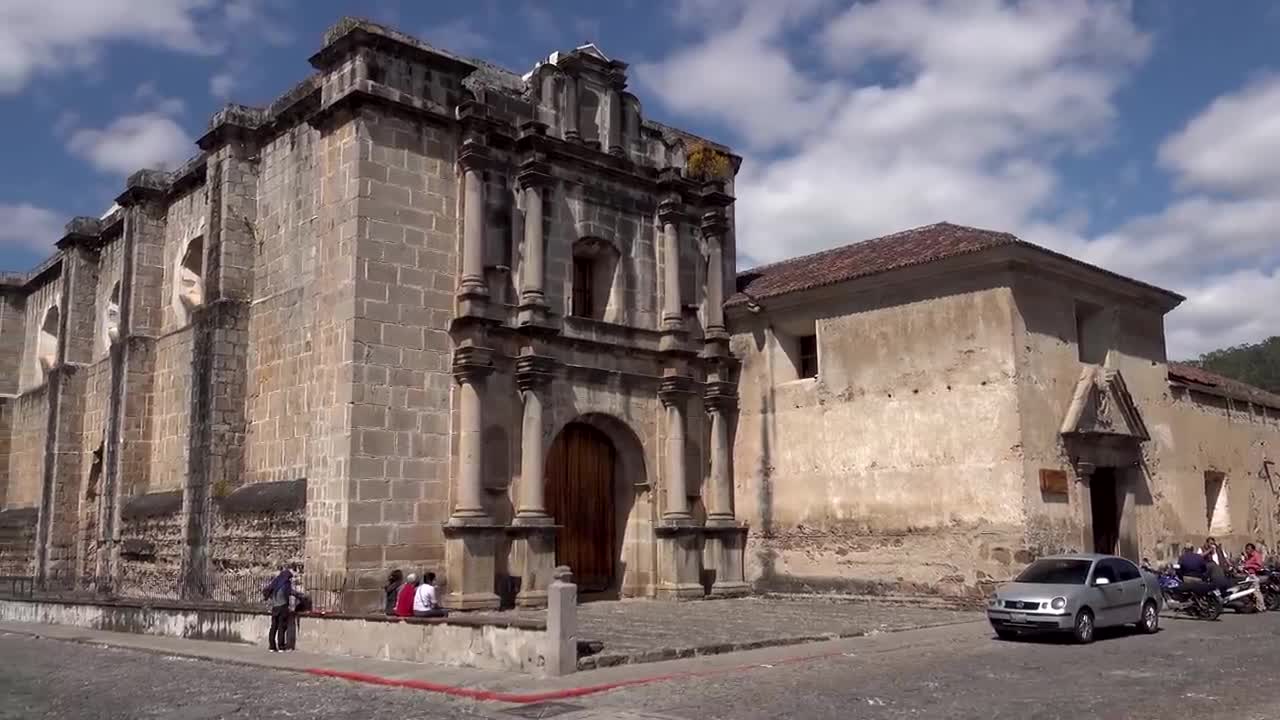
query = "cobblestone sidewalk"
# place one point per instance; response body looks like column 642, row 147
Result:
column 649, row 630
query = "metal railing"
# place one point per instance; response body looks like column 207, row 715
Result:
column 241, row 590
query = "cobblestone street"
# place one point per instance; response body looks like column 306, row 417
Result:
column 1204, row 670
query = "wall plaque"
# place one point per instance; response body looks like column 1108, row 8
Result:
column 1053, row 482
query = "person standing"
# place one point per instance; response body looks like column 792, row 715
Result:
column 278, row 592
column 404, row 597
column 424, row 600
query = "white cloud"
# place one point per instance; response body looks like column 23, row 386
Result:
column 57, row 34
column 146, row 140
column 148, row 95
column 1233, row 145
column 221, row 85
column 27, row 227
column 53, row 36
column 877, row 116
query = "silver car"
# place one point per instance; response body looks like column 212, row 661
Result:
column 1076, row 594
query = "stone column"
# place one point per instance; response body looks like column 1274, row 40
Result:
column 473, row 282
column 713, row 229
column 679, row 537
column 672, row 307
column 471, row 537
column 674, row 394
column 615, row 122
column 535, row 179
column 471, row 365
column 720, row 404
column 533, row 374
column 570, row 117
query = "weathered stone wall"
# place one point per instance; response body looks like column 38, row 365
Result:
column 151, row 535
column 18, row 541
column 256, row 529
column 27, row 448
column 280, row 319
column 13, row 338
column 93, row 450
column 170, row 410
column 407, row 216
column 1191, row 432
column 899, row 466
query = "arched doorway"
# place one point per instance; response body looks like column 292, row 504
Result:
column 581, row 499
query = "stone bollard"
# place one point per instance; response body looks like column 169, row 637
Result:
column 562, row 624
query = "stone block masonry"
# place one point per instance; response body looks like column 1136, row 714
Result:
column 374, row 306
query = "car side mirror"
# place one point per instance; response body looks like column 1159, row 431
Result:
column 1099, row 582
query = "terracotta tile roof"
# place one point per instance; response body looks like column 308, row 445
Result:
column 1181, row 372
column 907, row 248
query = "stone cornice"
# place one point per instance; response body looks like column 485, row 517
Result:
column 80, row 231
column 720, row 395
column 672, row 210
column 534, row 173
column 143, row 186
column 351, row 34
column 675, row 389
column 365, row 92
column 474, row 155
column 714, row 224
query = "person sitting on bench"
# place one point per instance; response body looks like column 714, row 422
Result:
column 424, row 600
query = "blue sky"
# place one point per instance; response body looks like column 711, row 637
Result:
column 1144, row 136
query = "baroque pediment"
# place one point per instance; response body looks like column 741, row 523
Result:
column 1102, row 405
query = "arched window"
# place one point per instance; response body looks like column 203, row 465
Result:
column 189, row 280
column 47, row 341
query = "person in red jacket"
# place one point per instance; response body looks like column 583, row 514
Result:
column 404, row 600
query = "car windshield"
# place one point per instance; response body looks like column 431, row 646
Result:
column 1056, row 572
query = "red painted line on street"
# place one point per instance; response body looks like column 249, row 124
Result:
column 524, row 698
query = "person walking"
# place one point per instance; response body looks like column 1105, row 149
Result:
column 278, row 593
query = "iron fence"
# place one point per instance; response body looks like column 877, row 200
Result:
column 244, row 590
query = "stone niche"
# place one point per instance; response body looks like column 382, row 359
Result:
column 188, row 287
column 47, row 341
column 111, row 317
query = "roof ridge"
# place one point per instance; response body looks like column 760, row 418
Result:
column 798, row 258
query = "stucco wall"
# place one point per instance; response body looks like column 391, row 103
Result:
column 29, row 422
column 899, row 465
column 1191, row 433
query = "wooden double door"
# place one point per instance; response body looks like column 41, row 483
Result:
column 580, row 497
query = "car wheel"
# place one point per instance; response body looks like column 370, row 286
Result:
column 1006, row 634
column 1150, row 623
column 1083, row 630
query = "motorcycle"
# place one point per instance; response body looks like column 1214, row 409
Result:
column 1193, row 598
column 1242, row 595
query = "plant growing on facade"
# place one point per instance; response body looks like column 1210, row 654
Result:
column 704, row 162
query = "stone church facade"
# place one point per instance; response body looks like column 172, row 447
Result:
column 421, row 312
column 426, row 313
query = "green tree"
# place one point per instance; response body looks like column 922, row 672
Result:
column 1258, row 364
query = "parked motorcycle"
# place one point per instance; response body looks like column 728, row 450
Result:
column 1192, row 598
column 1242, row 595
column 1270, row 580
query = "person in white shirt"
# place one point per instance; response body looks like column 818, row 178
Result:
column 424, row 599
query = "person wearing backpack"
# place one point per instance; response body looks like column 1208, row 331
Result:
column 278, row 593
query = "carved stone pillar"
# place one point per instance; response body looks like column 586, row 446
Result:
column 615, row 122
column 472, row 160
column 713, row 230
column 471, row 537
column 671, row 215
column 570, row 117
column 471, row 364
column 675, row 393
column 534, row 180
column 720, row 401
column 533, row 374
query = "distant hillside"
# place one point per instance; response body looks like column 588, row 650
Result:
column 1258, row 365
